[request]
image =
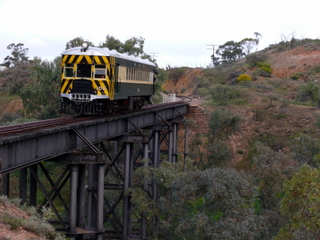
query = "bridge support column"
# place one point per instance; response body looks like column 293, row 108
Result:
column 5, row 184
column 23, row 185
column 86, row 221
column 73, row 199
column 128, row 171
column 145, row 188
column 33, row 185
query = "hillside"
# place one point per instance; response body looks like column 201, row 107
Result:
column 270, row 109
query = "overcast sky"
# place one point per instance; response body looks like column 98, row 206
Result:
column 176, row 32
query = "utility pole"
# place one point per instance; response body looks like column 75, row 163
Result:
column 154, row 55
column 213, row 47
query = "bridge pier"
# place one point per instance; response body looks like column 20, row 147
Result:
column 99, row 203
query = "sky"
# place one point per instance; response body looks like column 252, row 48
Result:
column 176, row 32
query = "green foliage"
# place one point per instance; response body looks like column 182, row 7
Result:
column 243, row 78
column 203, row 92
column 222, row 124
column 162, row 76
column 133, row 46
column 248, row 44
column 260, row 72
column 175, row 73
column 35, row 223
column 270, row 168
column 18, row 55
column 265, row 67
column 305, row 148
column 210, row 204
column 218, row 153
column 230, row 52
column 318, row 120
column 41, row 97
column 297, row 76
column 289, row 43
column 300, row 202
column 218, row 74
column 203, row 82
column 309, row 92
column 253, row 59
column 76, row 42
column 16, row 77
column 222, row 94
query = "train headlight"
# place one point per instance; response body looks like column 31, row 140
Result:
column 84, row 46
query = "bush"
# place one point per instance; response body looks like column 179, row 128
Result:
column 222, row 124
column 305, row 148
column 176, row 73
column 265, row 67
column 202, row 82
column 260, row 72
column 223, row 93
column 308, row 93
column 244, row 77
column 203, row 92
column 253, row 59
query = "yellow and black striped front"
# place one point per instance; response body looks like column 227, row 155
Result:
column 102, row 86
column 85, row 59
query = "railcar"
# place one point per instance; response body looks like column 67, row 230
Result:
column 101, row 81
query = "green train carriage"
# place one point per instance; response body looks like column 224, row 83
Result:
column 101, row 81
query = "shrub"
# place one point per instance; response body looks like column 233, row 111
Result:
column 262, row 73
column 223, row 93
column 244, row 77
column 308, row 92
column 222, row 124
column 176, row 73
column 305, row 148
column 202, row 82
column 203, row 92
column 253, row 59
column 265, row 67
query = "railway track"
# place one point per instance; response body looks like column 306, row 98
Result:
column 37, row 125
column 26, row 127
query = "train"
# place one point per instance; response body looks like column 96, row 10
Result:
column 102, row 81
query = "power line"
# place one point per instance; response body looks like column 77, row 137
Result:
column 154, row 55
column 213, row 47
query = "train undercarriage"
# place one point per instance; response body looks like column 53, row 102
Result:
column 104, row 106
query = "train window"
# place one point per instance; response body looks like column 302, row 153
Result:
column 100, row 71
column 84, row 70
column 68, row 70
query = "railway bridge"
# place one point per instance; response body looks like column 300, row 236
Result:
column 96, row 158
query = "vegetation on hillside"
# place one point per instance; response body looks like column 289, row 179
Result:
column 272, row 192
column 280, row 170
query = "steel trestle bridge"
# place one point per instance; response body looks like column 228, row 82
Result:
column 98, row 157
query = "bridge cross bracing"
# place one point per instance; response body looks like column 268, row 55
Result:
column 99, row 158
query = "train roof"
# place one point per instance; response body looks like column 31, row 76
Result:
column 95, row 51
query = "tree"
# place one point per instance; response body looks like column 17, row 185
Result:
column 222, row 124
column 301, row 203
column 112, row 43
column 76, row 42
column 18, row 54
column 211, row 204
column 230, row 51
column 133, row 46
column 41, row 96
column 248, row 44
column 16, row 77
